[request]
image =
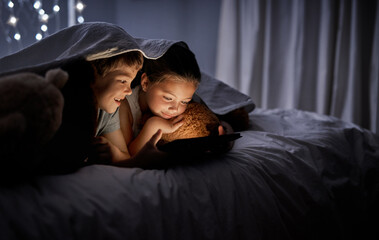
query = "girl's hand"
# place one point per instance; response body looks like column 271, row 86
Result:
column 225, row 128
column 151, row 127
column 166, row 125
column 149, row 157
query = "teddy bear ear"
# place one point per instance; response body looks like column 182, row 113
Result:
column 57, row 76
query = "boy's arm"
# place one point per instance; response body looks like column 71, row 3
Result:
column 117, row 145
column 112, row 146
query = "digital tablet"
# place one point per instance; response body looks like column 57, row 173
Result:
column 210, row 144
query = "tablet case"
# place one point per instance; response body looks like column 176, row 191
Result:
column 209, row 144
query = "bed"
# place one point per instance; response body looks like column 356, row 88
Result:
column 292, row 175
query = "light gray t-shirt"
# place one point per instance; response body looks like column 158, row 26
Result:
column 107, row 122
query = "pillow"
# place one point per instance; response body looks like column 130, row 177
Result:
column 220, row 97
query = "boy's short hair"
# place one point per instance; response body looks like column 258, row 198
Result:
column 132, row 59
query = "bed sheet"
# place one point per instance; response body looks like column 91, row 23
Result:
column 292, row 175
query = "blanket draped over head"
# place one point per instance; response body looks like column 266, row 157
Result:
column 71, row 49
column 91, row 41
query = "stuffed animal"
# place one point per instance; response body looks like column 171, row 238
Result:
column 30, row 113
column 199, row 121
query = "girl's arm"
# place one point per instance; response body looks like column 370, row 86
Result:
column 151, row 126
column 149, row 156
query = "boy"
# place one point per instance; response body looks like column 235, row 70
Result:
column 92, row 96
column 113, row 77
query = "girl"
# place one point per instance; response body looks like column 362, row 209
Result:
column 166, row 87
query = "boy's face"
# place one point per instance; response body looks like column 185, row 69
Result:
column 168, row 98
column 111, row 89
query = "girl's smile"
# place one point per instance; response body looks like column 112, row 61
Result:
column 168, row 98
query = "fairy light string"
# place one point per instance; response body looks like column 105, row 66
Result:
column 24, row 22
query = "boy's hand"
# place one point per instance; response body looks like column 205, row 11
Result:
column 101, row 151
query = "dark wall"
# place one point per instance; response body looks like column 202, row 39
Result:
column 192, row 21
column 28, row 24
column 100, row 11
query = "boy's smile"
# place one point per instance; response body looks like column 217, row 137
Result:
column 111, row 89
column 118, row 100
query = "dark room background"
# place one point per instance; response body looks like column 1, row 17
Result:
column 312, row 55
column 193, row 21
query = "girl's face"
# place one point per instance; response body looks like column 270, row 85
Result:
column 169, row 98
column 111, row 89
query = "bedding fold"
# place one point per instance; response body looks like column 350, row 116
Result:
column 95, row 40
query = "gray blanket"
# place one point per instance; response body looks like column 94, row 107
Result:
column 97, row 40
column 292, row 176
